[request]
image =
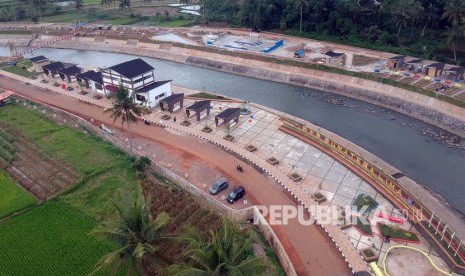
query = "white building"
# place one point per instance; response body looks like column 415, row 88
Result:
column 92, row 80
column 139, row 77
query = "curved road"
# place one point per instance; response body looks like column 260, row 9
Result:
column 310, row 250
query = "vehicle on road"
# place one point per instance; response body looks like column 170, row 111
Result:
column 219, row 186
column 236, row 194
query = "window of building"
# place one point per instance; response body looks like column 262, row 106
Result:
column 140, row 98
column 160, row 96
column 142, row 78
column 98, row 86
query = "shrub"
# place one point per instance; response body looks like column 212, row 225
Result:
column 6, row 135
column 142, row 163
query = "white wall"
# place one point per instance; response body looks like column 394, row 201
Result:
column 154, row 95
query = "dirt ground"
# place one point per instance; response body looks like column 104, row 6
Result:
column 402, row 261
column 308, row 247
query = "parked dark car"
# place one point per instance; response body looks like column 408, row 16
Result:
column 236, row 194
column 218, row 186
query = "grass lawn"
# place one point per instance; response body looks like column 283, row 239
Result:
column 397, row 233
column 12, row 197
column 18, row 32
column 364, row 228
column 18, row 70
column 103, row 167
column 365, row 200
column 205, row 95
column 51, row 239
column 172, row 23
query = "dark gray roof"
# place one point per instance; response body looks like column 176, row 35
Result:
column 436, row 65
column 54, row 66
column 173, row 98
column 456, row 69
column 397, row 57
column 333, row 54
column 91, row 75
column 152, row 86
column 199, row 104
column 38, row 59
column 227, row 112
column 414, row 61
column 132, row 68
column 70, row 71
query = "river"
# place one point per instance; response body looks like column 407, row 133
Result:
column 390, row 135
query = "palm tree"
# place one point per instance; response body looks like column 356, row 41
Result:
column 300, row 4
column 78, row 5
column 430, row 16
column 136, row 234
column 454, row 10
column 223, row 254
column 125, row 108
column 403, row 11
column 107, row 2
column 454, row 36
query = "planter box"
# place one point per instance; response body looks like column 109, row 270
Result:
column 186, row 123
column 166, row 117
column 251, row 148
column 295, row 177
column 369, row 255
column 273, row 161
column 207, row 129
column 228, row 137
column 319, row 197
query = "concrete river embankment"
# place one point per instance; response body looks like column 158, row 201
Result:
column 390, row 135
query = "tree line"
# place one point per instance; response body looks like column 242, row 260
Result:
column 425, row 28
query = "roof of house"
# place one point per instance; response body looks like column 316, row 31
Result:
column 414, row 61
column 333, row 54
column 397, row 57
column 227, row 112
column 54, row 66
column 456, row 69
column 436, row 65
column 38, row 59
column 299, row 52
column 91, row 75
column 199, row 104
column 70, row 71
column 173, row 98
column 132, row 68
column 152, row 86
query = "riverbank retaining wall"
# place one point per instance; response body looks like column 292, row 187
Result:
column 427, row 109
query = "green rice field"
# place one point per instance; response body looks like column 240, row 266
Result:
column 12, row 197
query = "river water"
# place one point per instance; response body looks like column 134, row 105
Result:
column 390, row 135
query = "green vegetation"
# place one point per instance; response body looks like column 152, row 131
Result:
column 431, row 29
column 397, row 233
column 368, row 252
column 364, row 200
column 135, row 233
column 19, row 70
column 103, row 167
column 226, row 252
column 364, row 228
column 204, row 95
column 7, row 150
column 51, row 239
column 12, row 197
column 17, row 32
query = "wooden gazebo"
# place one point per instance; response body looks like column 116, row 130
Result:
column 172, row 103
column 228, row 117
column 69, row 73
column 53, row 68
column 200, row 109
